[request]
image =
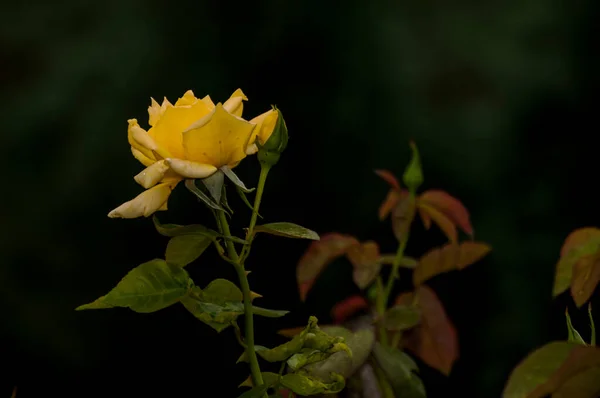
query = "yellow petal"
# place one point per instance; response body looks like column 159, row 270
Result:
column 145, row 204
column 188, row 99
column 167, row 132
column 265, row 124
column 208, row 101
column 155, row 111
column 151, row 175
column 135, row 133
column 234, row 104
column 219, row 138
column 189, row 169
column 146, row 161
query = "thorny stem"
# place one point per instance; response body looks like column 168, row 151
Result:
column 264, row 172
column 248, row 315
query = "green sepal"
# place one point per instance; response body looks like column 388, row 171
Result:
column 214, row 185
column 574, row 335
column 191, row 186
column 270, row 152
column 235, row 179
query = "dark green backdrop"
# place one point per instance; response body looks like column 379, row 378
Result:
column 500, row 97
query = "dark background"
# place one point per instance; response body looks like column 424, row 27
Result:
column 500, row 98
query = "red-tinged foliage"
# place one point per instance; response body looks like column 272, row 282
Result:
column 434, row 339
column 395, row 195
column 586, row 276
column 449, row 206
column 348, row 307
column 448, row 258
column 428, row 212
column 285, row 393
column 318, row 255
column 579, row 237
column 389, row 177
column 403, row 216
column 366, row 262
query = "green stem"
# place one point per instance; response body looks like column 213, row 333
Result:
column 395, row 266
column 386, row 388
column 248, row 315
column 264, row 172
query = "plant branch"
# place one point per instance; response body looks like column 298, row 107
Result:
column 264, row 172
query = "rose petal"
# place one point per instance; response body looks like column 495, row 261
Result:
column 189, row 169
column 145, row 204
column 152, row 174
column 234, row 104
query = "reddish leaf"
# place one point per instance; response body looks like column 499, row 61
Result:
column 580, row 243
column 549, row 369
column 348, row 307
column 428, row 213
column 390, row 202
column 448, row 258
column 402, row 216
column 450, row 206
column 389, row 177
column 366, row 263
column 586, row 276
column 318, row 255
column 434, row 339
column 579, row 237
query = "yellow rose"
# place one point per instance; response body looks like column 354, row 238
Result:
column 265, row 124
column 191, row 139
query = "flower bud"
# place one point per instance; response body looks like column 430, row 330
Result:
column 270, row 151
column 413, row 175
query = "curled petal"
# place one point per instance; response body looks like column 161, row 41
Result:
column 152, row 174
column 135, row 132
column 145, row 204
column 146, row 161
column 219, row 139
column 234, row 104
column 189, row 169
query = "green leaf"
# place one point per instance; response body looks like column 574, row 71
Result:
column 183, row 249
column 172, row 230
column 400, row 370
column 360, row 343
column 401, row 317
column 288, row 230
column 305, row 385
column 270, row 380
column 235, row 179
column 550, row 367
column 574, row 335
column 149, row 287
column 214, row 185
column 191, row 186
column 268, row 313
column 305, row 357
column 218, row 305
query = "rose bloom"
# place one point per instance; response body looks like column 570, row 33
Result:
column 191, row 139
